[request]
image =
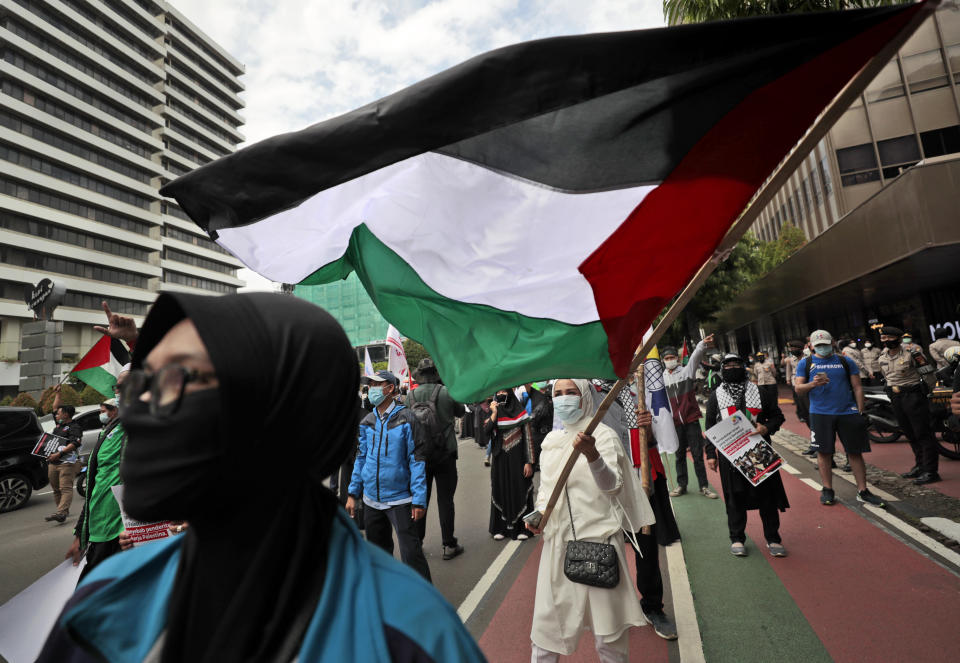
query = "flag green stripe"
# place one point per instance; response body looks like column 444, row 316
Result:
column 97, row 377
column 478, row 348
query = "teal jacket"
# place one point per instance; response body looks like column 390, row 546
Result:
column 371, row 608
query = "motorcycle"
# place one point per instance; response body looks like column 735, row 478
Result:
column 882, row 424
column 945, row 427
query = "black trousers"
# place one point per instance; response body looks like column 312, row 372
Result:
column 913, row 415
column 649, row 578
column 802, row 403
column 97, row 552
column 445, row 474
column 737, row 524
column 398, row 519
column 690, row 436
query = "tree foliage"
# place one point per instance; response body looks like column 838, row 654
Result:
column 699, row 11
column 24, row 399
column 90, row 396
column 68, row 396
column 415, row 353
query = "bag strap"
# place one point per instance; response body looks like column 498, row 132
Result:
column 436, row 394
column 570, row 511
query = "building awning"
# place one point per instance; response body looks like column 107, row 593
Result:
column 904, row 239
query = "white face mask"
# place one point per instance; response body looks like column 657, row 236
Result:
column 671, row 363
column 104, row 418
column 567, row 408
column 806, row 352
column 851, row 345
column 868, row 344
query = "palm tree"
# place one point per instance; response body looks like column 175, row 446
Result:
column 698, row 11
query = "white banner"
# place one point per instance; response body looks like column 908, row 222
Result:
column 396, row 356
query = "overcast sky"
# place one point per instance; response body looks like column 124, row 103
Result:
column 309, row 60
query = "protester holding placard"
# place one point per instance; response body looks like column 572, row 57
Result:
column 735, row 394
column 63, row 464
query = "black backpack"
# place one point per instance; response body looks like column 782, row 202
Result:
column 434, row 444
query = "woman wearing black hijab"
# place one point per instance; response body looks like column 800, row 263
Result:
column 511, row 482
column 225, row 389
column 769, row 498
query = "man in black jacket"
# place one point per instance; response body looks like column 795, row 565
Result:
column 62, row 466
column 443, row 469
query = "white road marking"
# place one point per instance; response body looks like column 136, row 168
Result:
column 873, row 489
column 49, row 492
column 915, row 534
column 813, row 484
column 684, row 612
column 470, row 603
column 790, row 469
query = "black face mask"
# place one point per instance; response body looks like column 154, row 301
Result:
column 796, row 353
column 501, row 398
column 170, row 464
column 733, row 374
column 893, row 345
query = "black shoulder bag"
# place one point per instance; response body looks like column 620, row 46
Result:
column 590, row 563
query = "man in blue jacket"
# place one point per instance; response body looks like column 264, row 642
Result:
column 390, row 474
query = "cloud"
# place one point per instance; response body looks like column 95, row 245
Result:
column 309, row 60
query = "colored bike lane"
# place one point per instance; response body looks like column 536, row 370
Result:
column 849, row 591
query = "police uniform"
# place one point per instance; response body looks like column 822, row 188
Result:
column 908, row 395
column 871, row 356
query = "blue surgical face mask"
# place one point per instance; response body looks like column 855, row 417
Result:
column 104, row 418
column 567, row 408
column 376, row 396
column 823, row 350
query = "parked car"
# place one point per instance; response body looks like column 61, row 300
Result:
column 21, row 473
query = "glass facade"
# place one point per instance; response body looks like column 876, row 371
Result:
column 349, row 303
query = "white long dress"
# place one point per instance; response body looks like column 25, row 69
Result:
column 563, row 608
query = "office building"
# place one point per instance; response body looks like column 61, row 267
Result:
column 879, row 201
column 103, row 102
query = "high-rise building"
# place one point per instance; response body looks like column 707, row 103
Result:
column 103, row 102
column 879, row 201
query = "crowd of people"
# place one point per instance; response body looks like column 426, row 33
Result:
column 248, row 579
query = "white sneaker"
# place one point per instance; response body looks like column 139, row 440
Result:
column 498, row 537
column 522, row 537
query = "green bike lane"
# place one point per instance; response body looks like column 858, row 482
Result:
column 848, row 591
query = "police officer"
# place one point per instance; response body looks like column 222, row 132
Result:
column 871, row 356
column 940, row 346
column 907, row 392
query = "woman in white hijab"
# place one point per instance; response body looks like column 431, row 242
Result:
column 605, row 497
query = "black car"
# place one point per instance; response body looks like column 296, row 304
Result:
column 20, row 472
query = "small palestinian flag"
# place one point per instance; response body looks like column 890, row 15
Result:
column 100, row 367
column 527, row 214
column 684, row 353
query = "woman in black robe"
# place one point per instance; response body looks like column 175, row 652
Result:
column 769, row 498
column 511, row 484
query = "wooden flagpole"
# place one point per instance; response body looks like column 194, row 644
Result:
column 781, row 173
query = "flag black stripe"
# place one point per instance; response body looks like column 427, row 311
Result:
column 585, row 113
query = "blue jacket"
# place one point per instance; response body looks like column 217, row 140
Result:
column 371, row 608
column 390, row 465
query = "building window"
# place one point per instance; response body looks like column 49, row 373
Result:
column 71, row 176
column 953, row 56
column 44, row 229
column 83, row 300
column 44, row 104
column 207, row 243
column 925, row 71
column 817, row 191
column 197, row 261
column 18, row 257
column 898, row 154
column 857, row 164
column 887, row 84
column 197, row 282
column 825, row 178
column 806, row 194
column 37, row 132
column 941, row 141
column 44, row 197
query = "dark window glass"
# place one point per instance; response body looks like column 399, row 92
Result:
column 197, row 282
column 860, row 178
column 15, row 256
column 900, row 150
column 941, row 141
column 859, row 157
column 47, row 230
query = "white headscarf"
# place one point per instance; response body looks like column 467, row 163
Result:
column 587, row 405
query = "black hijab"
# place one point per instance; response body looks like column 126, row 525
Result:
column 283, row 417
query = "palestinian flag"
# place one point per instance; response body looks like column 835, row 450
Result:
column 527, row 214
column 100, row 367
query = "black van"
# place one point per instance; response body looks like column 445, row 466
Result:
column 20, row 472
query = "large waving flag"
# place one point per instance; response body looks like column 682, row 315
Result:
column 512, row 212
column 100, row 367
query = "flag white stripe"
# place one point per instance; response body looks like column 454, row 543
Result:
column 470, row 233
